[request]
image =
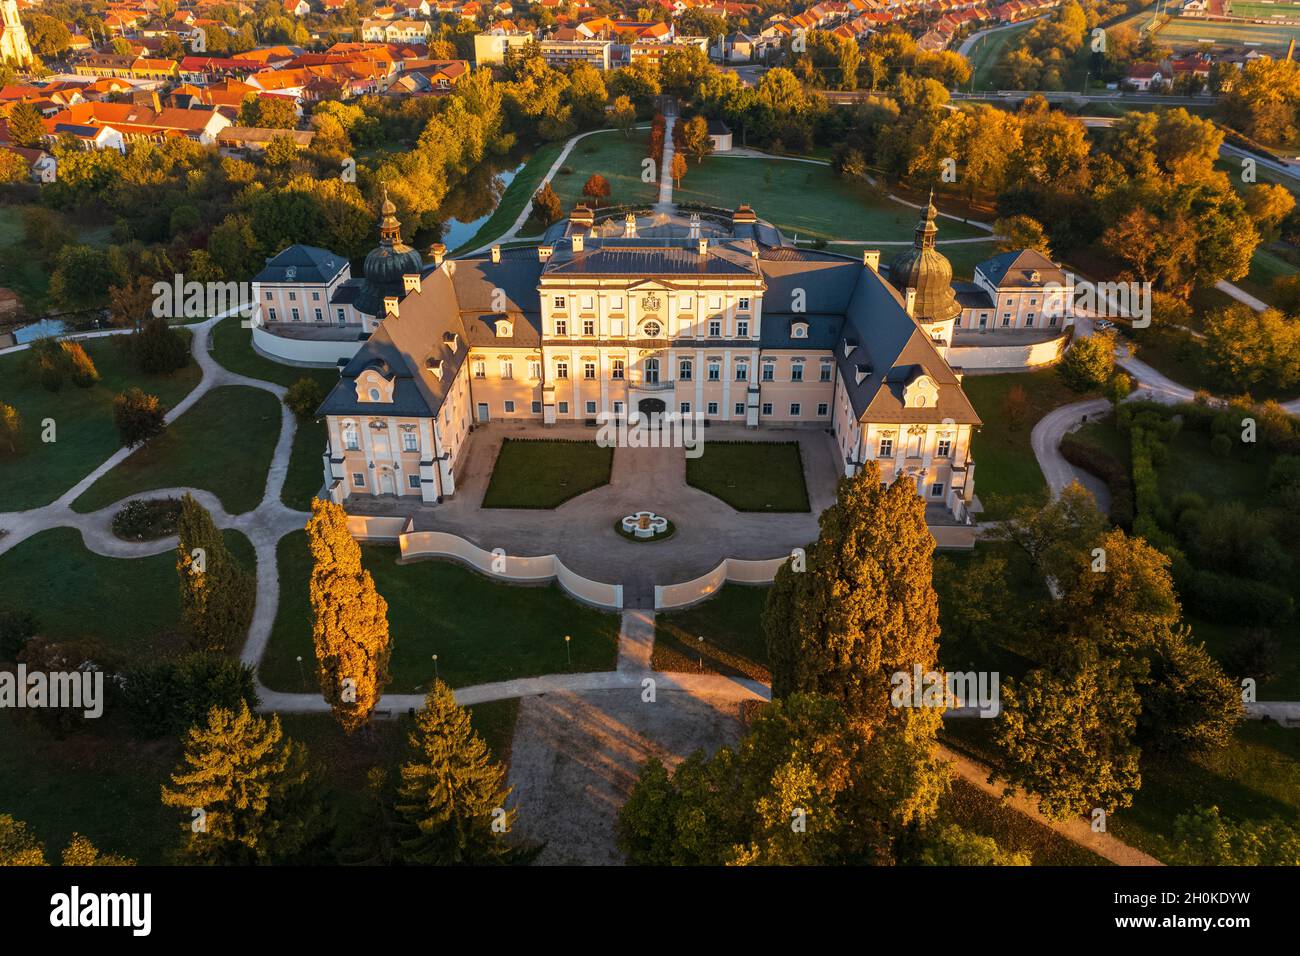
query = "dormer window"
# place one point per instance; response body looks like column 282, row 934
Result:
column 505, row 328
column 451, row 340
column 799, row 330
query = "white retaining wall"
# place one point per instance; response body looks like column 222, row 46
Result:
column 366, row 528
column 1007, row 358
column 441, row 544
column 736, row 570
column 307, row 351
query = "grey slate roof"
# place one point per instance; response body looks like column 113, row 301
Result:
column 1012, row 269
column 300, row 263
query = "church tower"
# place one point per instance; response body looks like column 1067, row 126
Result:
column 14, row 48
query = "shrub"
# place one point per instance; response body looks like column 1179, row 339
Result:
column 1253, row 654
column 139, row 417
column 11, row 426
column 1221, row 445
column 1089, row 363
column 84, row 373
column 16, row 629
column 304, row 397
column 159, row 349
column 168, row 697
column 147, row 520
column 1100, row 462
column 1225, row 599
column 1284, row 481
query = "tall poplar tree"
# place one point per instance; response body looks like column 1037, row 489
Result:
column 217, row 595
column 451, row 799
column 350, row 626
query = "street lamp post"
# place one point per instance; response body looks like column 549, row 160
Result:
column 435, row 667
column 302, row 674
column 568, row 655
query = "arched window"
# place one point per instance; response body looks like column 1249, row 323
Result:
column 652, row 371
column 350, row 439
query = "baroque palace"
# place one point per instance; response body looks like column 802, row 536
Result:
column 708, row 316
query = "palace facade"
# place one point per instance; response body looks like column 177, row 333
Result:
column 711, row 317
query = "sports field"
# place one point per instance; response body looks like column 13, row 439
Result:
column 1184, row 32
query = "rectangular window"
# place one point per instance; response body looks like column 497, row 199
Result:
column 743, row 303
column 293, row 296
column 589, row 327
column 740, row 408
column 945, row 448
column 561, row 369
column 715, row 372
column 794, row 409
column 510, row 408
column 769, row 371
column 413, row 482
column 507, row 369
column 537, row 408
column 591, row 408
column 742, row 329
column 561, row 327
column 319, row 316
column 342, row 316
column 589, row 370
column 268, row 297
column 767, row 408
column 271, row 313
column 796, row 372
column 936, row 490
column 480, row 369
column 713, row 408
column 616, row 370
column 618, row 408
column 410, row 441
column 685, row 408
column 684, row 370
column 534, row 369
column 823, row 409
column 715, row 328
column 1029, row 319
column 315, row 297
column 742, row 372
column 358, row 479
column 827, row 369
column 296, row 317
column 564, row 408
column 559, row 302
column 886, row 448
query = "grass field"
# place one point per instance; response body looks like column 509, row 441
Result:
column 1183, row 32
column 84, row 431
column 729, row 622
column 23, row 272
column 805, row 200
column 545, row 474
column 223, row 444
column 751, row 476
column 1007, row 467
column 481, row 630
column 614, row 156
column 986, row 53
column 74, row 593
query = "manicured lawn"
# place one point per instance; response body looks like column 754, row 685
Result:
column 306, row 471
column 979, row 812
column 618, row 159
column 232, row 346
column 1238, row 476
column 83, row 417
column 74, row 593
column 751, row 476
column 730, row 624
column 1004, row 460
column 986, row 53
column 1265, row 267
column 546, row 474
column 481, row 630
column 223, row 444
column 805, row 200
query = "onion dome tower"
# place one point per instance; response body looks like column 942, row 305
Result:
column 926, row 270
column 386, row 263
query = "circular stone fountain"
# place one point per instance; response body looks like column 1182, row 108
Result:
column 645, row 526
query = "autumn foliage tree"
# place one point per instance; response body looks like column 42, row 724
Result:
column 597, row 187
column 139, row 417
column 245, row 790
column 350, row 619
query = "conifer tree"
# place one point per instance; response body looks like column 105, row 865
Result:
column 350, row 626
column 217, row 595
column 451, row 799
column 245, row 790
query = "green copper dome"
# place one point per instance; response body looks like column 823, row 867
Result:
column 387, row 263
column 926, row 270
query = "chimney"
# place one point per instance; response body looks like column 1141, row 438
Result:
column 629, row 226
column 695, row 225
column 411, row 282
column 496, row 253
column 871, row 259
column 703, row 246
column 390, row 305
column 544, row 253
column 911, row 302
column 437, row 252
column 577, row 241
